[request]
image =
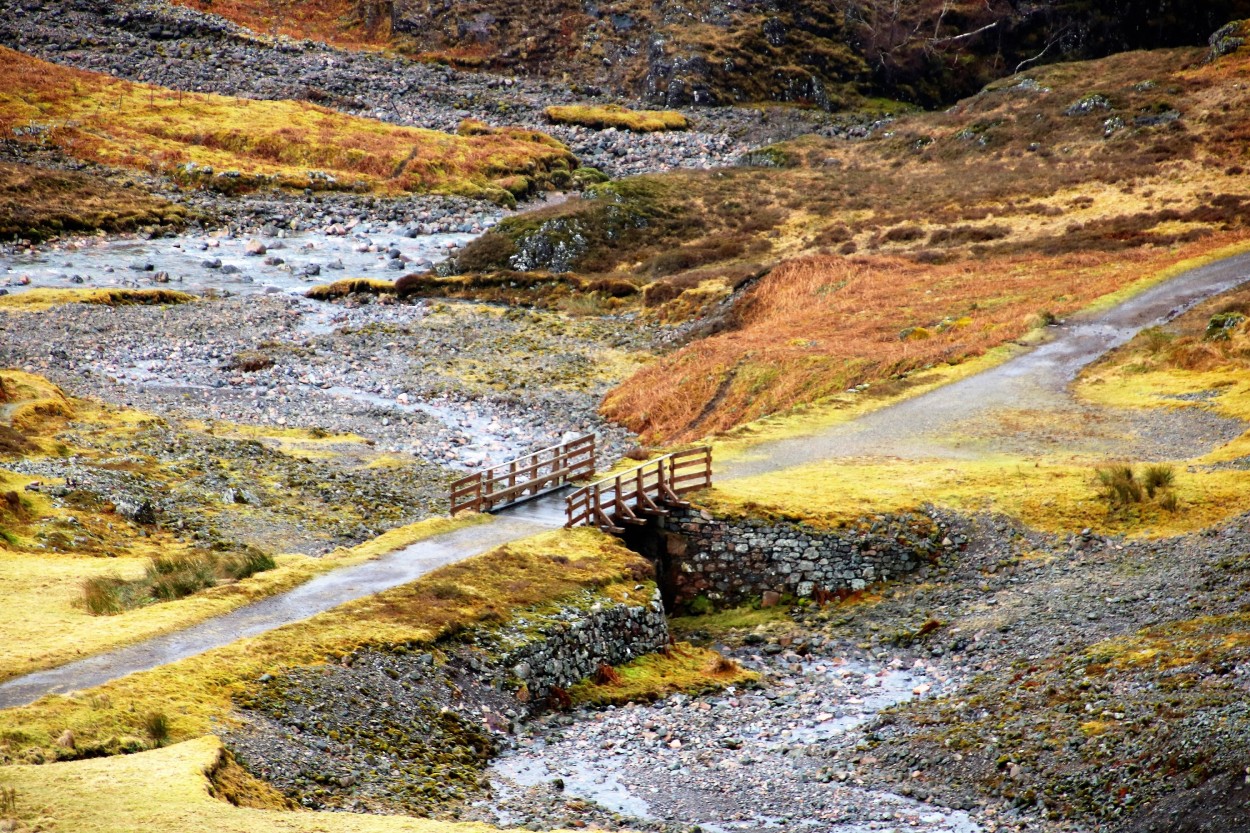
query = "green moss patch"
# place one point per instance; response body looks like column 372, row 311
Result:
column 683, row 668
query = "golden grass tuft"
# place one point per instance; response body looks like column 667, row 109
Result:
column 621, row 118
column 350, row 286
column 38, row 300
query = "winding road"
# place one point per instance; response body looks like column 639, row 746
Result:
column 915, row 427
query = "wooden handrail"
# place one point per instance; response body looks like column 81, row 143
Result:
column 643, row 490
column 526, row 477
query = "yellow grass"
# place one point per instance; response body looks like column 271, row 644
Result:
column 196, row 693
column 339, row 289
column 167, row 791
column 683, row 668
column 611, row 115
column 42, row 625
column 1048, row 495
column 38, row 300
column 285, row 143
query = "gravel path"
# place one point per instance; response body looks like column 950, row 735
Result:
column 959, row 419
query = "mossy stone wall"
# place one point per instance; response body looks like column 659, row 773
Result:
column 568, row 652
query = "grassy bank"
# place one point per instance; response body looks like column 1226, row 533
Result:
column 36, row 203
column 196, row 694
column 171, row 789
column 233, row 144
column 829, row 264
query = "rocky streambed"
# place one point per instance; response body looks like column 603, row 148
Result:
column 786, row 756
column 455, row 384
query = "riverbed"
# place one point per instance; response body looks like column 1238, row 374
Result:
column 790, row 748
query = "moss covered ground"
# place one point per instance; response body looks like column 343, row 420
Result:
column 40, row 299
column 37, row 203
column 683, row 668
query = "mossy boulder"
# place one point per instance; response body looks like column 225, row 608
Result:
column 1221, row 326
column 577, row 236
column 1229, row 39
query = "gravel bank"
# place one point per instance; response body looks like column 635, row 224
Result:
column 454, row 384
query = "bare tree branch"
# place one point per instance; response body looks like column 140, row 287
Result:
column 965, row 35
column 1058, row 36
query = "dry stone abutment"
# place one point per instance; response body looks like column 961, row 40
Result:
column 704, row 561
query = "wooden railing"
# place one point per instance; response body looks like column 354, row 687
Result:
column 628, row 497
column 524, row 478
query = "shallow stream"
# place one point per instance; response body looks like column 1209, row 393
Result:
column 735, row 761
column 217, row 261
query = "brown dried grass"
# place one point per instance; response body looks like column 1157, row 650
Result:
column 818, row 325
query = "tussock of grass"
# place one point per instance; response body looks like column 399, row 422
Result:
column 250, row 144
column 37, row 300
column 196, row 693
column 341, row 289
column 170, row 790
column 169, row 577
column 611, row 115
column 35, row 405
column 683, row 668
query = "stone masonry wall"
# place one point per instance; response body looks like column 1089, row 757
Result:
column 733, row 561
column 568, row 651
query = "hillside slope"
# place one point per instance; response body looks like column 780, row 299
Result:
column 945, row 236
column 817, row 52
